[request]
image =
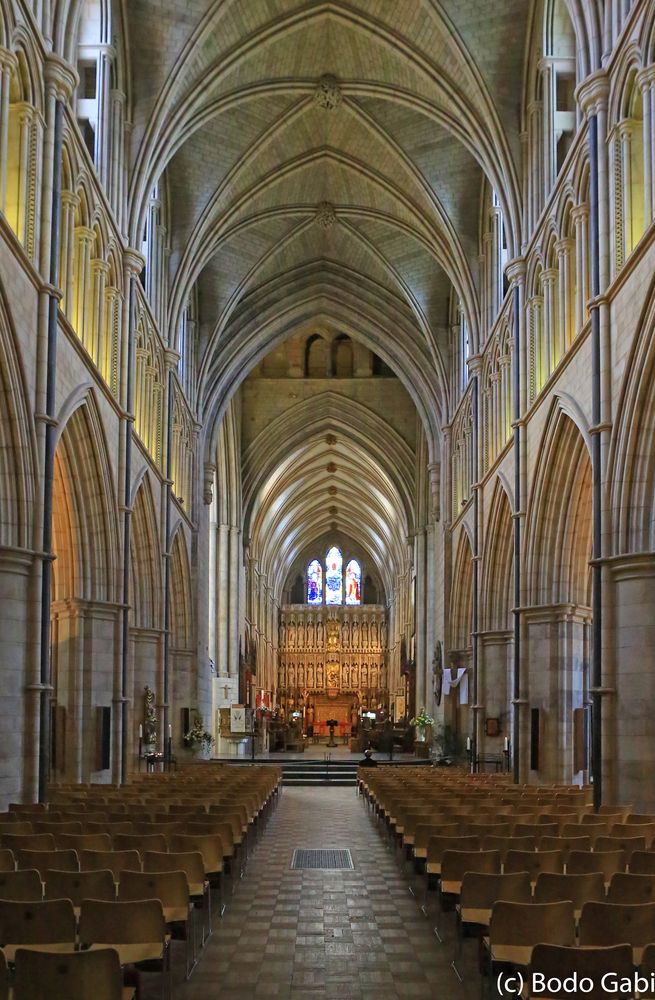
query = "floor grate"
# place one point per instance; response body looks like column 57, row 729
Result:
column 324, row 859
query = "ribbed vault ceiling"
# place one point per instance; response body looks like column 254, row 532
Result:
column 283, row 190
column 328, row 464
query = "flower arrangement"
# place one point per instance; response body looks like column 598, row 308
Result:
column 198, row 738
column 422, row 720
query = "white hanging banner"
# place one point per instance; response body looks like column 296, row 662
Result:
column 456, row 679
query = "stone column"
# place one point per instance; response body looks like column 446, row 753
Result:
column 81, row 319
column 8, row 63
column 233, row 600
column 97, row 331
column 580, row 216
column 629, row 748
column 222, row 599
column 566, row 317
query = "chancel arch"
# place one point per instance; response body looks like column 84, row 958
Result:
column 558, row 550
column 84, row 606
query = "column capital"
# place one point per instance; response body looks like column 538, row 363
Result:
column 646, row 77
column 564, row 246
column 516, row 270
column 61, row 76
column 593, row 93
column 7, row 59
column 171, row 358
column 580, row 213
column 474, row 364
column 133, row 261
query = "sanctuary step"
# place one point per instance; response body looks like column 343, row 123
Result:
column 319, row 772
column 333, row 772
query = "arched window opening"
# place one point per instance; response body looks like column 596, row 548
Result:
column 342, row 357
column 20, row 199
column 559, row 78
column 316, row 357
column 154, row 275
column 94, row 70
column 314, row 582
column 353, row 583
column 334, row 576
column 187, row 345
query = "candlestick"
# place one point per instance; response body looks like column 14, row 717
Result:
column 468, row 742
column 170, row 730
column 140, row 732
column 506, row 747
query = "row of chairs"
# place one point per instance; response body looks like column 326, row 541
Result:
column 568, row 880
column 116, row 859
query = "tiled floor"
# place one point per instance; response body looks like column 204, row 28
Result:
column 347, row 935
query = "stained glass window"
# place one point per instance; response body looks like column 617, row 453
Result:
column 333, row 576
column 353, row 582
column 314, row 582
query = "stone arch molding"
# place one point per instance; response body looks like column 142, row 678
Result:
column 18, row 465
column 88, row 504
column 557, row 540
column 261, row 334
column 632, row 457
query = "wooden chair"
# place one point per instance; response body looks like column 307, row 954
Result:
column 642, row 863
column 558, row 964
column 647, row 970
column 479, row 891
column 552, row 887
column 28, row 842
column 607, row 862
column 618, row 923
column 506, row 844
column 21, row 886
column 646, row 830
column 515, row 929
column 565, row 845
column 4, row 978
column 83, row 841
column 192, row 864
column 65, row 861
column 534, row 862
column 50, row 924
column 77, row 886
column 536, row 830
column 135, row 842
column 136, row 930
column 47, row 826
column 15, row 829
column 7, row 860
column 113, row 861
column 83, row 975
column 454, row 864
column 172, row 890
column 626, row 844
column 631, row 888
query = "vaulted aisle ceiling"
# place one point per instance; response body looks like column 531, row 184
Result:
column 326, row 159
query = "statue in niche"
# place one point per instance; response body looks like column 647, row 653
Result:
column 310, row 676
column 365, row 634
column 320, row 676
column 310, row 633
column 292, row 677
column 320, row 634
column 363, row 676
column 374, row 677
column 355, row 635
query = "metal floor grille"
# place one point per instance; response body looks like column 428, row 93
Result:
column 326, row 859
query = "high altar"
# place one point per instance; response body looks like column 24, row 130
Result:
column 332, row 661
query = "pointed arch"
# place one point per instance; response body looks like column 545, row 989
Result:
column 181, row 622
column 461, row 607
column 145, row 564
column 632, row 457
column 85, row 528
column 17, row 442
column 498, row 563
column 558, row 528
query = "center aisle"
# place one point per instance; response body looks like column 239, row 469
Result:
column 346, row 935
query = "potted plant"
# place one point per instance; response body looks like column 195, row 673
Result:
column 199, row 740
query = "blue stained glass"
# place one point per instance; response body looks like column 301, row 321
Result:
column 314, row 582
column 333, row 576
column 353, row 582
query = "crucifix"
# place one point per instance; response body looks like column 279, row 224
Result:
column 226, row 689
